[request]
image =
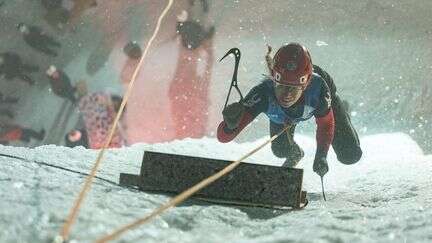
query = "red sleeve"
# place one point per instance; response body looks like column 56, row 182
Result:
column 224, row 137
column 325, row 132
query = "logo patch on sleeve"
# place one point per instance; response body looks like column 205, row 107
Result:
column 255, row 99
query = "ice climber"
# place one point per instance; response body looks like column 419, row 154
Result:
column 295, row 92
column 11, row 66
column 38, row 39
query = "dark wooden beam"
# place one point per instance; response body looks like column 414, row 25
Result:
column 248, row 184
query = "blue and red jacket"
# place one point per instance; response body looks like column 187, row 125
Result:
column 315, row 102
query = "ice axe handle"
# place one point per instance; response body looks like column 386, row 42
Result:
column 322, row 187
column 236, row 52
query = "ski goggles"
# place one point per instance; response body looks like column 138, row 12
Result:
column 287, row 95
column 286, row 89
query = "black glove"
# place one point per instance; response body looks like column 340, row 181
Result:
column 320, row 166
column 232, row 115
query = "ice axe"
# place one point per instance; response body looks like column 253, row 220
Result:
column 321, row 171
column 322, row 187
column 236, row 52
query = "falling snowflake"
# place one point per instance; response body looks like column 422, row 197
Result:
column 321, row 43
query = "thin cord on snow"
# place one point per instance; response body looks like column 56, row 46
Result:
column 64, row 233
column 186, row 194
column 40, row 163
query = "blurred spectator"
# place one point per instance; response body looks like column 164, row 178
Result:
column 7, row 99
column 98, row 111
column 6, row 112
column 38, row 39
column 52, row 4
column 189, row 90
column 81, row 88
column 12, row 133
column 134, row 53
column 61, row 84
column 204, row 4
column 116, row 102
column 79, row 7
column 57, row 15
column 11, row 66
column 192, row 32
column 76, row 137
column 132, row 50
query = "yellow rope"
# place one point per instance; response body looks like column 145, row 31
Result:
column 64, row 234
column 186, row 194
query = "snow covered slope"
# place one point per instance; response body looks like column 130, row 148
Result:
column 386, row 197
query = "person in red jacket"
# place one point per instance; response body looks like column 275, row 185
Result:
column 10, row 133
column 296, row 91
column 189, row 90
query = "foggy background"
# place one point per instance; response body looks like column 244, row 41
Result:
column 378, row 52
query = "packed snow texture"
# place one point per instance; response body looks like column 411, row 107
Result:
column 375, row 50
column 386, row 197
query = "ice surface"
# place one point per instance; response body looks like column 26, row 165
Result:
column 377, row 51
column 386, row 197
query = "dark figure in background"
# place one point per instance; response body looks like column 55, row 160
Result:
column 6, row 112
column 79, row 8
column 192, row 32
column 295, row 92
column 11, row 133
column 35, row 37
column 204, row 4
column 7, row 99
column 11, row 66
column 116, row 101
column 61, row 84
column 189, row 90
column 51, row 4
column 134, row 52
column 76, row 137
column 56, row 14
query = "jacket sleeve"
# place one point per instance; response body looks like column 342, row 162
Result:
column 255, row 102
column 324, row 133
column 225, row 135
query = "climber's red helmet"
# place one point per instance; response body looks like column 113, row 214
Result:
column 291, row 72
